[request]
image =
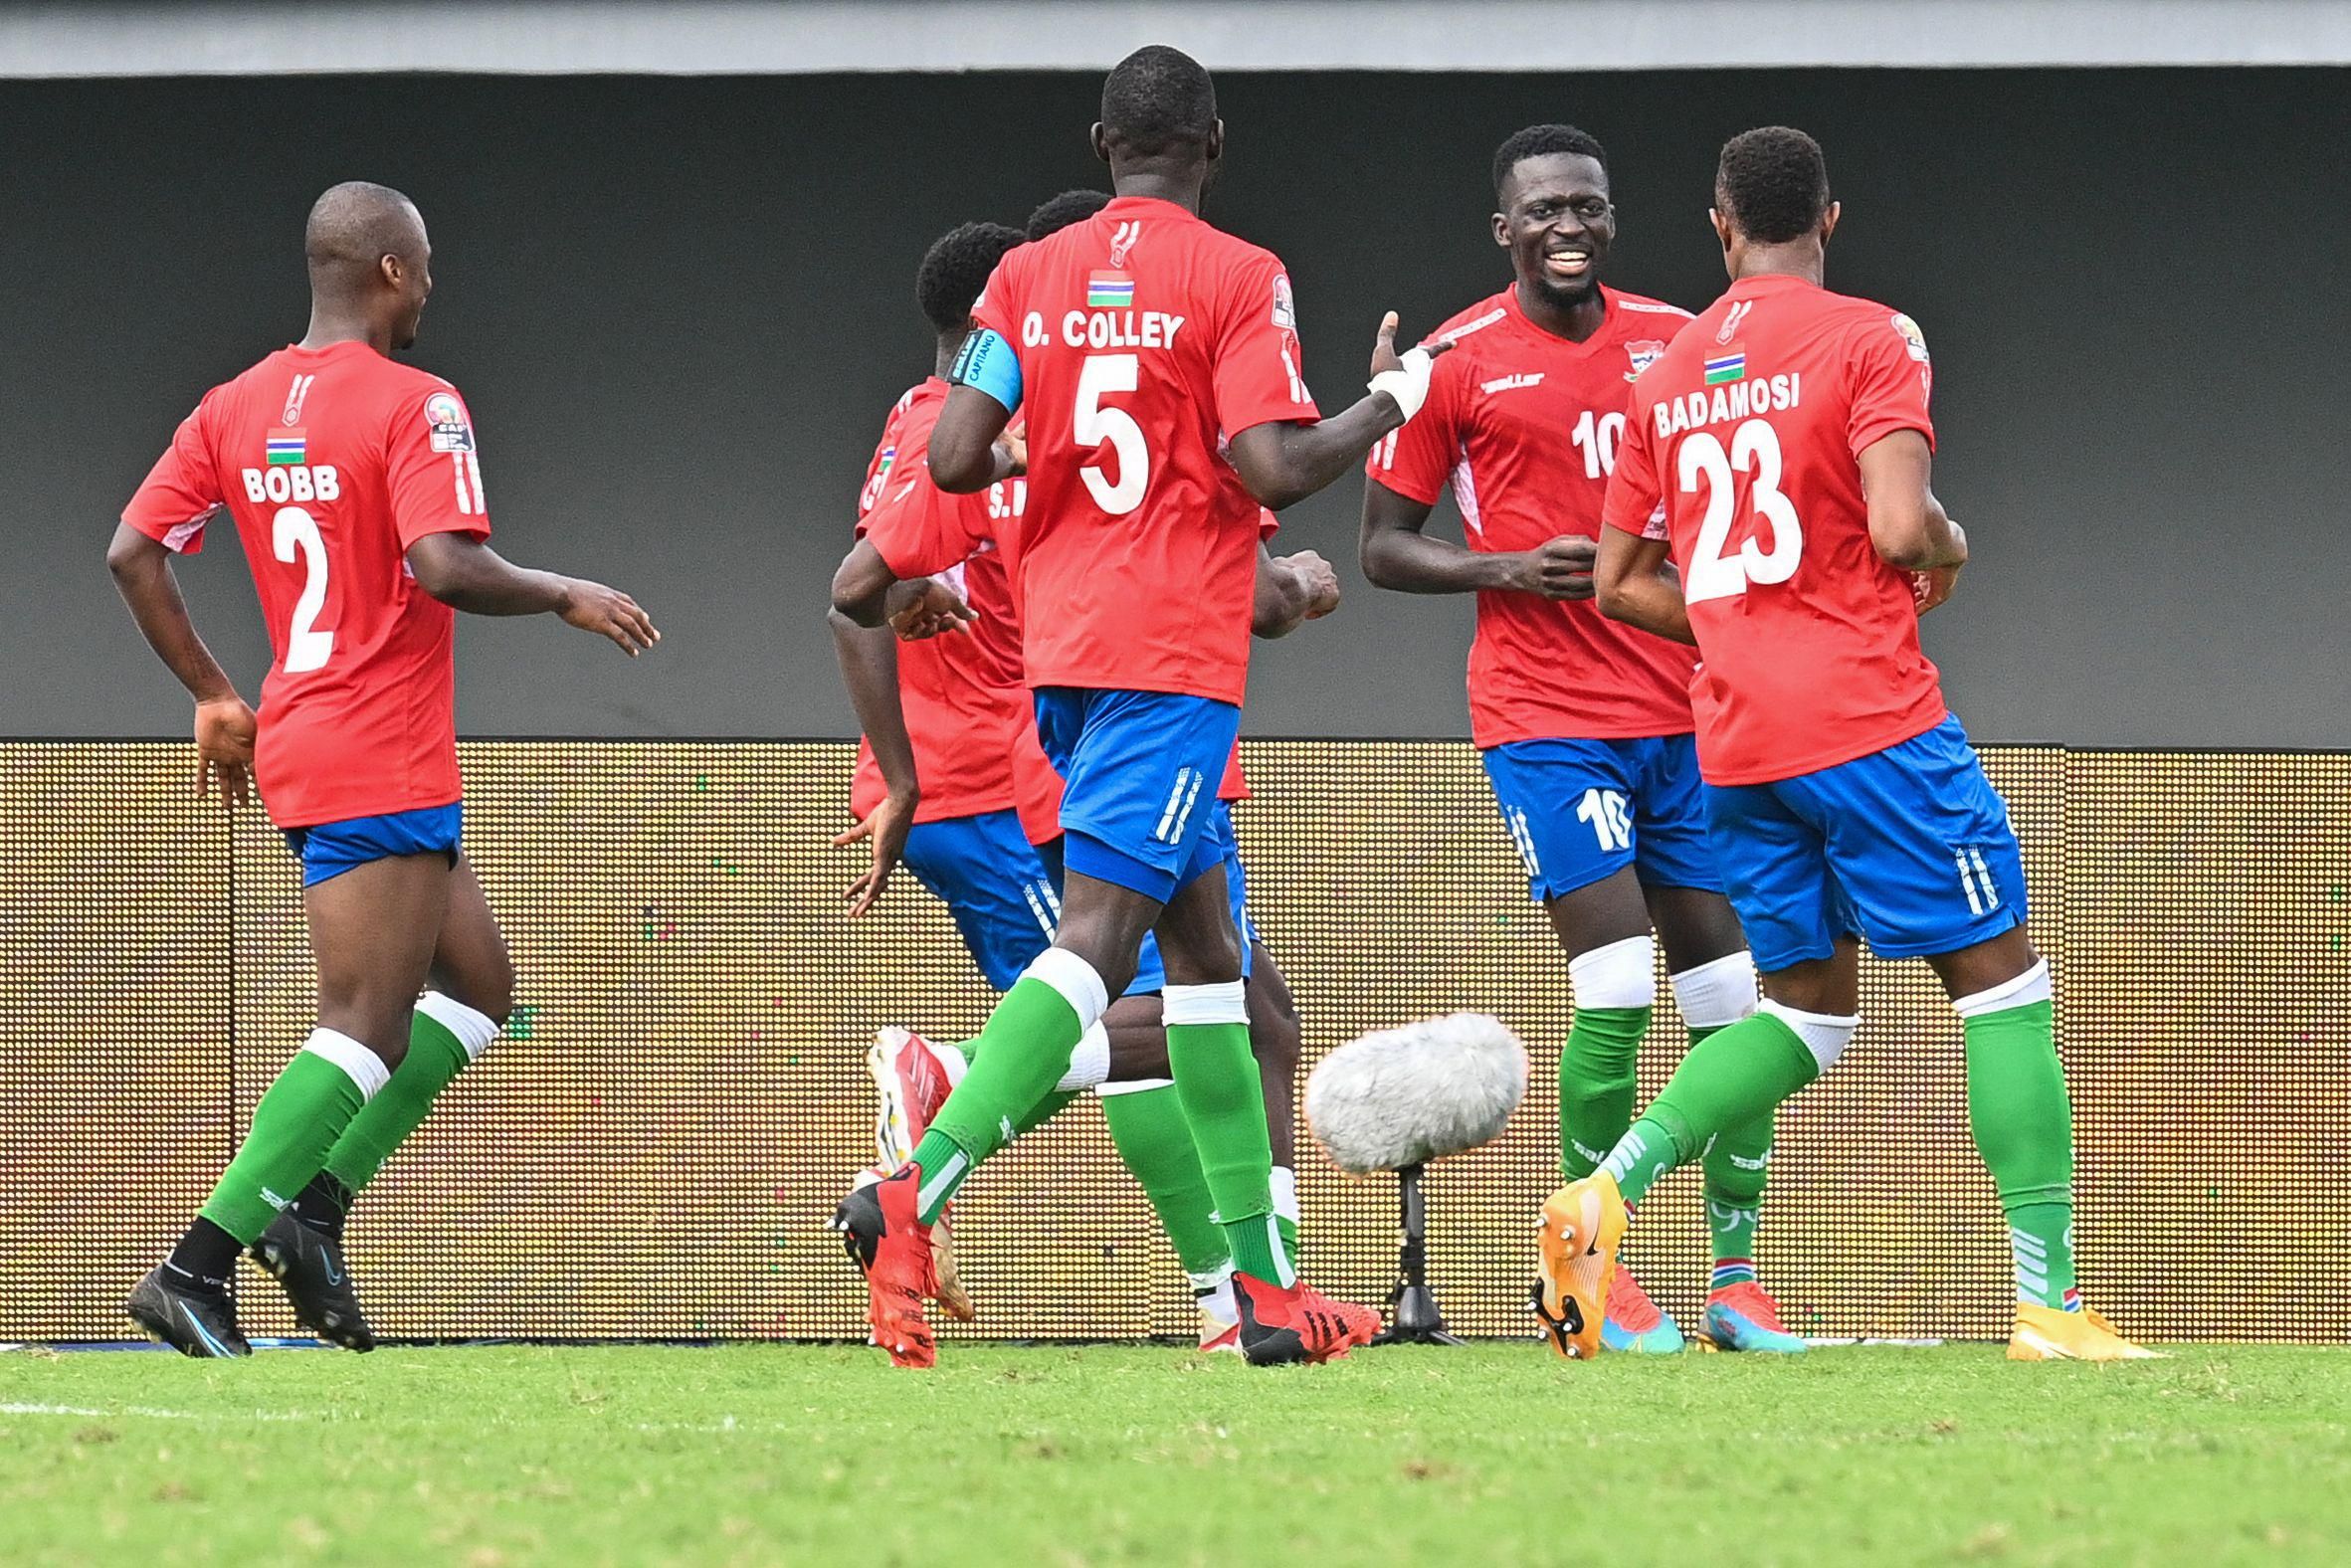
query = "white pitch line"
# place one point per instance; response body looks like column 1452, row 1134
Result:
column 152, row 1412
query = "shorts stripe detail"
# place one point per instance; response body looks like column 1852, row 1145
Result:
column 1180, row 801
column 1967, row 881
column 1991, row 888
column 1043, row 906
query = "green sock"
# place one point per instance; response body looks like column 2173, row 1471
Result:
column 1737, row 1164
column 1019, row 1057
column 1284, row 1183
column 1596, row 1085
column 1155, row 1142
column 296, row 1123
column 436, row 1055
column 1729, row 1078
column 2023, row 1128
column 1051, row 1105
column 1225, row 1103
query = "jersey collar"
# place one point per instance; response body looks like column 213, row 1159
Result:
column 1611, row 313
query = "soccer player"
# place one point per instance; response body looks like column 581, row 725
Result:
column 950, row 738
column 1156, row 362
column 1584, row 725
column 1786, row 434
column 356, row 488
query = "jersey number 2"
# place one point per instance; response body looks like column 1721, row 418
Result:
column 1094, row 424
column 1716, row 573
column 307, row 647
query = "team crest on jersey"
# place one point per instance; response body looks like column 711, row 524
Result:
column 1286, row 310
column 1123, row 240
column 1730, row 323
column 445, row 415
column 1912, row 339
column 1643, row 354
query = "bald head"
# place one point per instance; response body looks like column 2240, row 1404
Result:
column 366, row 248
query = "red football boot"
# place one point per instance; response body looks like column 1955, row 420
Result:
column 879, row 1224
column 1297, row 1324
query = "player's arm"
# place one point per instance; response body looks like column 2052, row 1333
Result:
column 1291, row 591
column 1635, row 583
column 870, row 669
column 465, row 573
column 1908, row 523
column 969, row 450
column 1397, row 554
column 1282, row 462
column 224, row 726
column 868, row 593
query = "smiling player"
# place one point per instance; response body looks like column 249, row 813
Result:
column 1585, row 725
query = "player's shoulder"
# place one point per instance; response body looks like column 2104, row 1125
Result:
column 1639, row 314
column 1464, row 325
column 1860, row 324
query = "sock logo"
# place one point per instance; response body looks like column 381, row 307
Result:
column 272, row 1199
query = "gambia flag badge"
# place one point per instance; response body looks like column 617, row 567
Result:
column 1108, row 290
column 285, row 447
column 1729, row 365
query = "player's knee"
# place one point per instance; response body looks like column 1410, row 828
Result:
column 1715, row 995
column 1825, row 1035
column 1621, row 974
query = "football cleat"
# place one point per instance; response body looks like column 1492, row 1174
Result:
column 883, row 1237
column 1743, row 1317
column 1297, row 1322
column 194, row 1322
column 946, row 1275
column 1583, row 1224
column 914, row 1079
column 2048, row 1333
column 1635, row 1324
column 308, row 1263
column 1220, row 1319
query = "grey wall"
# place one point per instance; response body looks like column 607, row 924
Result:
column 681, row 308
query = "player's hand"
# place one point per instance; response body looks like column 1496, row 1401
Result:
column 1015, row 445
column 1318, row 579
column 885, row 828
column 608, row 612
column 1933, row 588
column 923, row 607
column 1405, row 376
column 1560, row 568
column 225, row 731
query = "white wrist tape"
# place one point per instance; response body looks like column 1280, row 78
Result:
column 1410, row 385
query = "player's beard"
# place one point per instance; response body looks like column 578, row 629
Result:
column 1569, row 296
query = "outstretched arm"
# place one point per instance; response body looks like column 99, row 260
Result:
column 224, row 726
column 1284, row 462
column 1634, row 584
column 465, row 574
column 870, row 669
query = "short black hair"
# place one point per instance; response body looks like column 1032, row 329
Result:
column 1772, row 183
column 1543, row 142
column 1056, row 213
column 955, row 269
column 1158, row 100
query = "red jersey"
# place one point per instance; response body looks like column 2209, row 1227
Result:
column 334, row 461
column 1145, row 337
column 1525, row 425
column 968, row 711
column 1748, row 427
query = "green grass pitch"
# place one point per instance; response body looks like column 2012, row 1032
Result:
column 1489, row 1453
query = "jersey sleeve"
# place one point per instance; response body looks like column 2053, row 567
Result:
column 182, row 490
column 1257, row 374
column 432, row 470
column 1416, row 460
column 1891, row 379
column 920, row 530
column 1635, row 503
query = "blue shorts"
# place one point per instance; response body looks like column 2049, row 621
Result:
column 333, row 847
column 1141, row 770
column 1004, row 894
column 1580, row 810
column 1910, row 847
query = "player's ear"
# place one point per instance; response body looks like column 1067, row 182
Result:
column 1501, row 229
column 1101, row 141
column 1216, row 140
column 1829, row 220
column 390, row 269
column 1721, row 227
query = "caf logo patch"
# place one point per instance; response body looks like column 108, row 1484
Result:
column 444, row 418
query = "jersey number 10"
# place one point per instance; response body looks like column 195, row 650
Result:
column 1719, row 573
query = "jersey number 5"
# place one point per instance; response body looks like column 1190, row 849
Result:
column 1094, row 424
column 307, row 647
column 1713, row 572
